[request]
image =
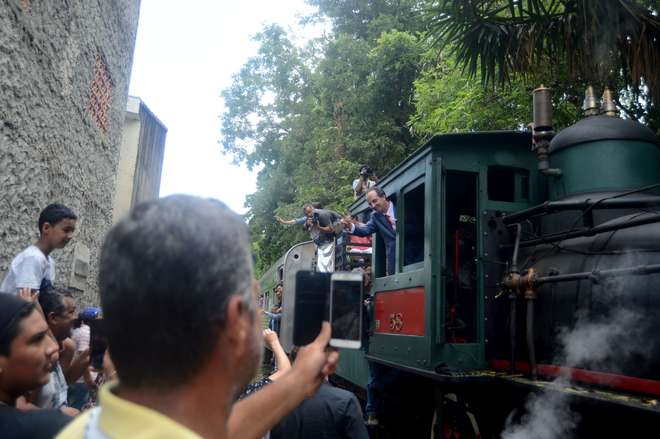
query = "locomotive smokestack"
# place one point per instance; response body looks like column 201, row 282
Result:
column 542, row 102
column 590, row 103
column 607, row 106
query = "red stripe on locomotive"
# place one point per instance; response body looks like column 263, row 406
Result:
column 614, row 381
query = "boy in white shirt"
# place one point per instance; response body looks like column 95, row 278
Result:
column 33, row 268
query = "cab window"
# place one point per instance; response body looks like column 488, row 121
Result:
column 413, row 225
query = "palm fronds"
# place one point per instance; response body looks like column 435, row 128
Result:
column 598, row 40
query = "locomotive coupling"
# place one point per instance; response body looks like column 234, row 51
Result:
column 524, row 285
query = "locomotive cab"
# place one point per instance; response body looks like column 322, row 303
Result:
column 429, row 315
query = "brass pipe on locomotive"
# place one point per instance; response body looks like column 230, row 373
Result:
column 512, row 300
column 524, row 285
column 607, row 106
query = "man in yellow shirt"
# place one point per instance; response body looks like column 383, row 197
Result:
column 179, row 300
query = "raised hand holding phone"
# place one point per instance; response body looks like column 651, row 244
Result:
column 345, row 311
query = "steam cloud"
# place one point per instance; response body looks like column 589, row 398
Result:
column 606, row 342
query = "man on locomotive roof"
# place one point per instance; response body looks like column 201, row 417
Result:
column 178, row 271
column 383, row 222
column 320, row 224
column 364, row 182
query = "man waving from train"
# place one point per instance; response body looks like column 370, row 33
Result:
column 383, row 222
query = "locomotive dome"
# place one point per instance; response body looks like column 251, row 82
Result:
column 603, row 153
column 598, row 128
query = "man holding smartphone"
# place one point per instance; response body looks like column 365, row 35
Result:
column 200, row 334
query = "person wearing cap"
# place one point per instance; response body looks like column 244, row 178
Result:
column 363, row 183
column 78, row 394
column 27, row 353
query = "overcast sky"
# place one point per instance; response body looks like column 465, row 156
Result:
column 185, row 55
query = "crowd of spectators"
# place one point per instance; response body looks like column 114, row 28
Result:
column 178, row 321
column 39, row 327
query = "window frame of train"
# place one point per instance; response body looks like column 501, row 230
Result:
column 268, row 281
column 416, row 178
column 415, row 174
column 466, row 214
column 378, row 256
column 409, row 208
column 508, row 184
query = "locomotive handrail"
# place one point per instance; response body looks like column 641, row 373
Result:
column 558, row 206
column 589, row 232
column 596, row 275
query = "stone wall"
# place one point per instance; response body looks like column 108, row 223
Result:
column 64, row 72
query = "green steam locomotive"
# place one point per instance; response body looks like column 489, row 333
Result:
column 526, row 296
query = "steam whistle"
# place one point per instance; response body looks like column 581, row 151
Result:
column 607, row 106
column 542, row 130
column 542, row 102
column 590, row 103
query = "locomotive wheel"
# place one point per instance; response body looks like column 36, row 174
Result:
column 454, row 420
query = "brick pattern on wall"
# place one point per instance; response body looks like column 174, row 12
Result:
column 100, row 95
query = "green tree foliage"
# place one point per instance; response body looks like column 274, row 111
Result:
column 449, row 101
column 613, row 43
column 308, row 117
column 368, row 19
column 266, row 100
column 371, row 92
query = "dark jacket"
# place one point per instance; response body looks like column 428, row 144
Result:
column 32, row 424
column 378, row 223
column 331, row 413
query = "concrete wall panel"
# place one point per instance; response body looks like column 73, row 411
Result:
column 64, row 71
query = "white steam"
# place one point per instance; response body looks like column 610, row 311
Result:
column 606, row 342
column 548, row 416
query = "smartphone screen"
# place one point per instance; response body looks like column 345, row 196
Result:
column 346, row 310
column 311, row 305
column 98, row 342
